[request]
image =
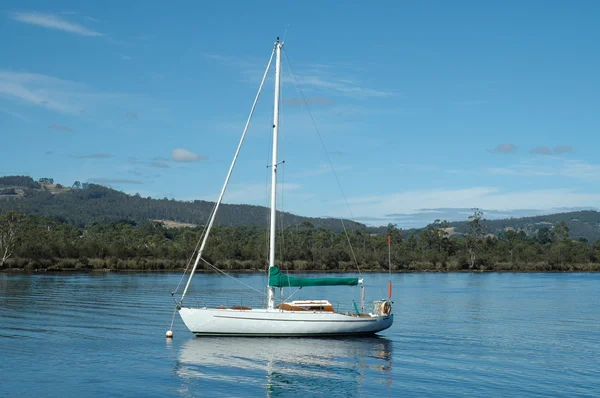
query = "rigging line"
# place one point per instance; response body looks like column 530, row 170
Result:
column 237, row 280
column 328, row 158
column 282, row 226
column 285, row 33
column 223, row 189
column 282, row 110
column 194, row 252
column 290, row 296
column 268, row 201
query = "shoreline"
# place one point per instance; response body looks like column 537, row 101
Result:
column 71, row 271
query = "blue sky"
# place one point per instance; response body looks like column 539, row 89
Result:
column 427, row 109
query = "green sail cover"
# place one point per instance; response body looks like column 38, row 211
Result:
column 279, row 279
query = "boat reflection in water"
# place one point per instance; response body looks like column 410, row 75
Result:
column 249, row 366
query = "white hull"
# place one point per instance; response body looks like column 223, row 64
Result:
column 278, row 323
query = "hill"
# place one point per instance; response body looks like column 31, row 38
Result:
column 84, row 204
column 92, row 203
column 582, row 224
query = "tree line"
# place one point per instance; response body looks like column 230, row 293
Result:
column 33, row 242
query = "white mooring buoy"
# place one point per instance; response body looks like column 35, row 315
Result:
column 169, row 334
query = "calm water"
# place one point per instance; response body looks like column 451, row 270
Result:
column 454, row 335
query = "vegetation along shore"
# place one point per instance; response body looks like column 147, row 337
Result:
column 50, row 227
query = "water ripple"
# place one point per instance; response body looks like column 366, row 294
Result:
column 455, row 335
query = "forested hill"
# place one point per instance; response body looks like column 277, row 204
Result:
column 582, row 224
column 82, row 204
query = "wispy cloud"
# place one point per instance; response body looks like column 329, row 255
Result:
column 331, row 82
column 160, row 165
column 33, row 88
column 55, row 22
column 541, row 150
column 333, row 79
column 125, row 57
column 56, row 94
column 49, row 152
column 309, row 101
column 423, row 217
column 94, row 156
column 116, row 181
column 551, row 166
column 559, row 150
column 15, row 114
column 131, row 115
column 60, row 128
column 389, row 206
column 504, row 148
column 322, row 169
column 184, row 155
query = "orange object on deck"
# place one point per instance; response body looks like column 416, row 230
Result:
column 389, row 289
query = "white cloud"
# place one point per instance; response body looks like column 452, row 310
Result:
column 60, row 128
column 37, row 89
column 59, row 95
column 482, row 197
column 15, row 114
column 562, row 149
column 159, row 165
column 505, row 148
column 322, row 169
column 327, row 81
column 316, row 77
column 183, row 155
column 251, row 193
column 541, row 150
column 551, row 167
column 53, row 21
column 94, row 156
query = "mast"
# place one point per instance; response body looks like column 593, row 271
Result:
column 237, row 152
column 271, row 290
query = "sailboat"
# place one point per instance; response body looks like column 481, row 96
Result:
column 293, row 318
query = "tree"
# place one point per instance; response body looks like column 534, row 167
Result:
column 544, row 235
column 77, row 184
column 512, row 239
column 476, row 231
column 436, row 242
column 9, row 234
column 394, row 233
column 561, row 230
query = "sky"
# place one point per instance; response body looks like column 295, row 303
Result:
column 425, row 109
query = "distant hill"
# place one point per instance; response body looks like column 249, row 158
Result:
column 96, row 203
column 83, row 204
column 582, row 224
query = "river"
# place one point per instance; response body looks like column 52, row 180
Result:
column 455, row 334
